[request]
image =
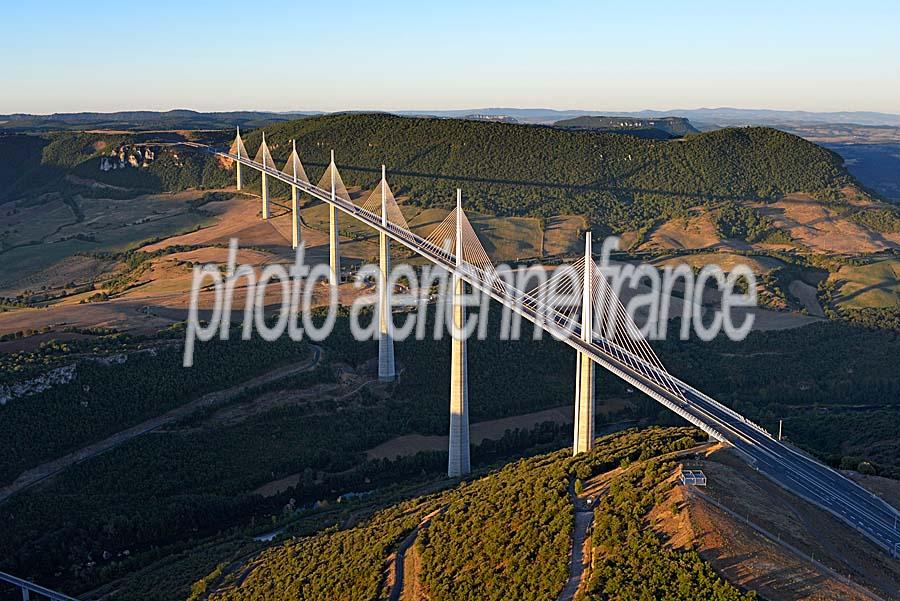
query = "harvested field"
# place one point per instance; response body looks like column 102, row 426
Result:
column 823, row 229
column 563, row 235
column 807, row 295
column 873, row 285
column 696, row 232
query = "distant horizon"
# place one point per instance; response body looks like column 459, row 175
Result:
column 463, row 108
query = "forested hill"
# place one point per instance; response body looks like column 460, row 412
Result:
column 507, row 169
column 503, row 536
column 670, row 126
column 620, row 181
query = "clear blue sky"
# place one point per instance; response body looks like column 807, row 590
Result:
column 103, row 56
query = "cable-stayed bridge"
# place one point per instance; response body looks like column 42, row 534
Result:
column 597, row 328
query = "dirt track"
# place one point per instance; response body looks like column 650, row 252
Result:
column 47, row 470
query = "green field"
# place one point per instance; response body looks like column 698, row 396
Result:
column 874, row 285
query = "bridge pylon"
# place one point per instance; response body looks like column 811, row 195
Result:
column 334, row 242
column 458, row 463
column 265, row 157
column 294, row 170
column 386, row 367
column 238, row 147
column 584, row 368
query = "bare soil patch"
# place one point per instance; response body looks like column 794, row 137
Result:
column 823, row 229
column 751, row 560
column 562, row 235
column 886, row 488
column 696, row 232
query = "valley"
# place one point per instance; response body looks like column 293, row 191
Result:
column 133, row 475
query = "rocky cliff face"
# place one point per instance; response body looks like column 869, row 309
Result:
column 128, row 156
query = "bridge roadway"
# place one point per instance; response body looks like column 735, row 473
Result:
column 786, row 466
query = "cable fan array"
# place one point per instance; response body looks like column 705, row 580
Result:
column 340, row 190
column 263, row 156
column 237, row 147
column 559, row 299
column 293, row 168
column 373, row 205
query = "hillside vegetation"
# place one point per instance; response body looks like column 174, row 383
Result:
column 620, row 181
column 667, row 127
column 503, row 536
column 50, row 166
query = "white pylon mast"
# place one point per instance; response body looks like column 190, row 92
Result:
column 383, row 198
column 295, row 200
column 265, row 180
column 587, row 313
column 458, row 227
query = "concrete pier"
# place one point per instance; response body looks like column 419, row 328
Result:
column 458, row 463
column 584, row 369
column 334, row 243
column 265, row 196
column 386, row 367
column 295, row 218
column 264, row 151
column 238, row 144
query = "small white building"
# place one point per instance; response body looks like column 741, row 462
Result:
column 693, row 478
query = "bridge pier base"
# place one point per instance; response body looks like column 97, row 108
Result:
column 458, row 463
column 265, row 196
column 584, row 369
column 295, row 218
column 584, row 404
column 386, row 367
column 240, row 180
column 334, row 245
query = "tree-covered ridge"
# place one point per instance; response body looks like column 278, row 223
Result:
column 733, row 220
column 338, row 565
column 110, row 393
column 502, row 536
column 618, row 181
column 505, row 169
column 508, row 536
column 634, row 563
column 886, row 220
column 36, row 168
column 667, row 126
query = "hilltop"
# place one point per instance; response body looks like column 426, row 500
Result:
column 660, row 128
column 142, row 120
column 619, row 181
